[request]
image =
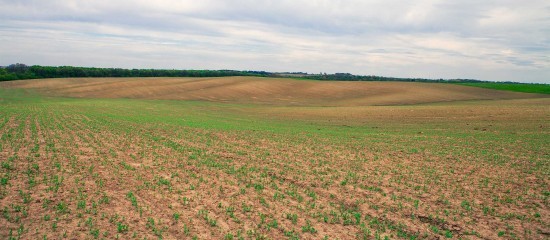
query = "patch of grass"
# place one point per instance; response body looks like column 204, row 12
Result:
column 516, row 87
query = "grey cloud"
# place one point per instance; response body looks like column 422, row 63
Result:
column 520, row 62
column 453, row 39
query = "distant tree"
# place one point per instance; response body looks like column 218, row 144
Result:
column 17, row 68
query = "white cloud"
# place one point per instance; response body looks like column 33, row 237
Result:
column 493, row 40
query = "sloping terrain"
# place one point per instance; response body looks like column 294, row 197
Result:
column 270, row 91
column 139, row 169
column 89, row 168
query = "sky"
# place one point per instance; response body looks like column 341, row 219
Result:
column 496, row 40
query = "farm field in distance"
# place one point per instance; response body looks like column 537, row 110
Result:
column 260, row 158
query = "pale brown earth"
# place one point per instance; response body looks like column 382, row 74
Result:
column 476, row 169
column 271, row 91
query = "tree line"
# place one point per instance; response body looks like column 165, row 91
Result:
column 352, row 77
column 20, row 71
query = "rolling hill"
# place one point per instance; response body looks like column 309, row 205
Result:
column 270, row 91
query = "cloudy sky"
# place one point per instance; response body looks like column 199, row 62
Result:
column 502, row 40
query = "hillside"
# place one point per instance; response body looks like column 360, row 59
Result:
column 271, row 91
column 94, row 167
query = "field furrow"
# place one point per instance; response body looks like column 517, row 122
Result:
column 136, row 169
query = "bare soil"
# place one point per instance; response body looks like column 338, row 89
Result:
column 270, row 91
column 476, row 169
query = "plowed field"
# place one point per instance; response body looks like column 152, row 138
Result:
column 253, row 158
column 265, row 90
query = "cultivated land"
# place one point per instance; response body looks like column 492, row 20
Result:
column 271, row 158
column 270, row 91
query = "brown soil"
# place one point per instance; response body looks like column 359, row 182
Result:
column 469, row 170
column 265, row 90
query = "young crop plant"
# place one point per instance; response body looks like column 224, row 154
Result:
column 204, row 214
column 176, row 216
column 292, row 217
column 132, row 199
column 308, row 227
column 246, row 208
column 122, row 228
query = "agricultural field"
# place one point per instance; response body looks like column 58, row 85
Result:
column 517, row 87
column 258, row 158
